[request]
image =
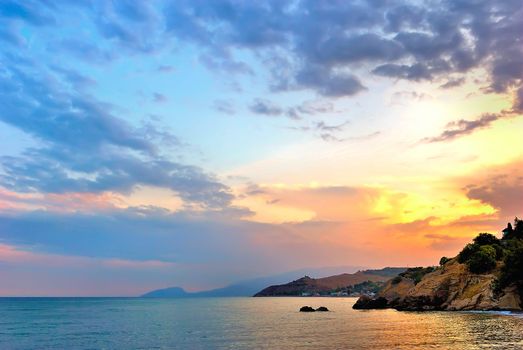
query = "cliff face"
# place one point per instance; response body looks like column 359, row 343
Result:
column 450, row 287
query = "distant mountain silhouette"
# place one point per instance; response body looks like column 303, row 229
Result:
column 251, row 286
column 326, row 285
column 173, row 292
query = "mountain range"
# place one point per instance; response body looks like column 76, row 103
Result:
column 251, row 286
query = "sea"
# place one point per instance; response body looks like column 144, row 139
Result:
column 243, row 323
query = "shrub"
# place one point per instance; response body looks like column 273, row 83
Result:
column 467, row 252
column 396, row 280
column 500, row 252
column 486, row 239
column 483, row 260
column 443, row 260
column 513, row 269
column 417, row 273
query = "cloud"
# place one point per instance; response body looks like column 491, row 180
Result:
column 322, row 126
column 340, row 48
column 501, row 187
column 224, row 106
column 403, row 97
column 414, row 72
column 86, row 148
column 35, row 15
column 446, row 242
column 464, row 127
column 329, row 83
column 308, row 108
column 315, row 107
column 84, row 50
column 77, row 80
column 518, row 101
column 324, row 131
column 452, row 83
column 365, row 137
column 325, row 45
column 265, row 107
column 159, row 98
column 165, row 68
column 189, row 248
column 33, row 273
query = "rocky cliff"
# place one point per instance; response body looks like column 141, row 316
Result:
column 474, row 280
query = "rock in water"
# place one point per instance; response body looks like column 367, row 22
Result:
column 365, row 302
column 322, row 308
column 306, row 309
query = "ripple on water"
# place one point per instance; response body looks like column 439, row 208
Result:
column 245, row 323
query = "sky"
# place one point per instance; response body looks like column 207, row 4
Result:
column 147, row 144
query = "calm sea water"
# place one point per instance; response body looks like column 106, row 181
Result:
column 243, row 323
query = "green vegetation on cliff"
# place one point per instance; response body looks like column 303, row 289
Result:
column 486, row 275
column 487, row 251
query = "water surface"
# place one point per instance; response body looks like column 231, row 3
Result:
column 242, row 323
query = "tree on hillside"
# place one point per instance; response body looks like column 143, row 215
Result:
column 486, row 239
column 467, row 252
column 443, row 260
column 514, row 232
column 482, row 261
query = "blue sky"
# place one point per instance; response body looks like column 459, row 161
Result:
column 197, row 143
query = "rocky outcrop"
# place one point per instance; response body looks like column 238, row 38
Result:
column 307, row 309
column 311, row 309
column 366, row 302
column 449, row 287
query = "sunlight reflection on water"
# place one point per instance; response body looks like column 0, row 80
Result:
column 244, row 323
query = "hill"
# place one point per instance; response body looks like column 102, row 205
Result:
column 247, row 287
column 486, row 275
column 326, row 285
column 173, row 292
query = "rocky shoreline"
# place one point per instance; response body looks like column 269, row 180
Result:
column 450, row 287
column 486, row 275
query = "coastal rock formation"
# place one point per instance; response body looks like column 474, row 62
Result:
column 486, row 275
column 307, row 309
column 311, row 309
column 366, row 302
column 449, row 287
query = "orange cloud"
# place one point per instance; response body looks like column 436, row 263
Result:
column 383, row 225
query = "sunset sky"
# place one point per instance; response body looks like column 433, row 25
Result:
column 198, row 143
